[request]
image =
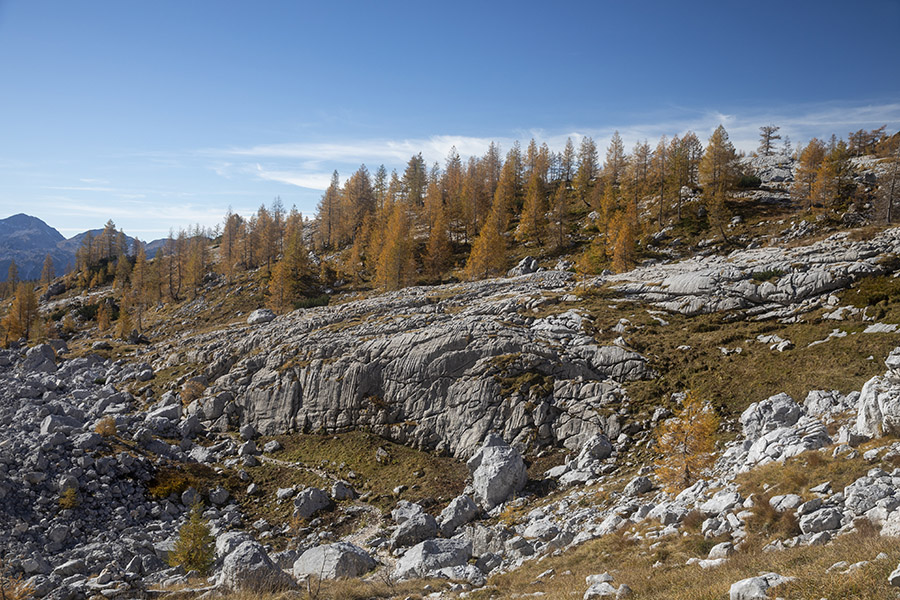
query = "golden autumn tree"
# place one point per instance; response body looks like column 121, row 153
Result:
column 103, row 317
column 811, row 158
column 685, row 444
column 533, row 224
column 488, row 255
column 396, row 261
column 23, row 313
column 48, row 274
column 438, row 250
column 622, row 240
column 290, row 274
column 140, row 283
column 561, row 215
column 718, row 176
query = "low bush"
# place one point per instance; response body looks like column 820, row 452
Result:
column 106, row 427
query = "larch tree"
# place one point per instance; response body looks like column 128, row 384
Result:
column 48, row 274
column 23, row 313
column 686, row 444
column 229, row 248
column 660, row 176
column 889, row 184
column 767, row 136
column 415, row 180
column 718, row 175
column 505, row 196
column 12, row 279
column 396, row 261
column 561, row 216
column 438, row 250
column 586, row 173
column 140, row 283
column 623, row 238
column 834, row 180
column 614, row 167
column 533, row 222
column 123, row 272
column 328, row 209
column 567, row 162
column 811, row 158
column 488, row 255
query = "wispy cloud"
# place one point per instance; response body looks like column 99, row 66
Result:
column 315, row 181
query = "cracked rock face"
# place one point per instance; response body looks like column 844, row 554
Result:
column 798, row 277
column 436, row 368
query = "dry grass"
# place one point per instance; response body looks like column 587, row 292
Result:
column 631, row 562
column 429, row 478
column 106, row 427
column 798, row 474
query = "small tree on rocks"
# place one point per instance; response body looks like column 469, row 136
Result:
column 685, row 444
column 195, row 547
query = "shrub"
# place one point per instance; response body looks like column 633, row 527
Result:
column 312, row 302
column 195, row 547
column 767, row 275
column 13, row 588
column 192, row 390
column 106, row 427
column 768, row 523
column 69, row 499
column 749, row 182
column 168, row 482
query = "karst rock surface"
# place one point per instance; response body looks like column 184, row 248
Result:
column 434, row 368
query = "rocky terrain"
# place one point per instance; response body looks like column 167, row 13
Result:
column 509, row 413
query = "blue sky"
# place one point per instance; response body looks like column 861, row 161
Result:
column 163, row 114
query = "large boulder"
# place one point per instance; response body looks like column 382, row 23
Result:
column 597, row 448
column 414, row 530
column 772, row 413
column 249, row 568
column 460, row 511
column 40, row 359
column 756, row 588
column 497, row 471
column 878, row 410
column 260, row 315
column 432, row 555
column 334, row 561
column 310, row 501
